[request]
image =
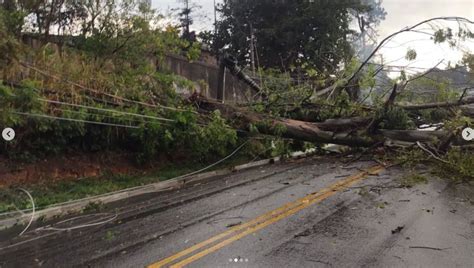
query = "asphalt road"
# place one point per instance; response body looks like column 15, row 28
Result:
column 306, row 213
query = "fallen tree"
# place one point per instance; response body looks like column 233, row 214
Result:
column 367, row 125
column 425, row 106
column 294, row 129
column 347, row 131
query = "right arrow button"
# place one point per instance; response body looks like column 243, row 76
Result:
column 468, row 134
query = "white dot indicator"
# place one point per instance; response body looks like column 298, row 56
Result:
column 236, row 260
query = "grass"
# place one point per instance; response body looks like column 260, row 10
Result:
column 457, row 165
column 49, row 194
column 382, row 205
column 460, row 167
column 412, row 180
column 110, row 236
column 93, row 207
column 364, row 191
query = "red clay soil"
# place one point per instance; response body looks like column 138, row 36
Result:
column 71, row 167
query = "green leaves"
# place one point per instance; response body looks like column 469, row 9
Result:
column 448, row 35
column 215, row 138
column 367, row 79
column 468, row 60
column 10, row 23
column 396, row 118
column 411, row 55
column 6, row 105
column 313, row 35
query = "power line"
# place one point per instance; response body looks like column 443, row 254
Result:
column 99, row 92
column 107, row 110
column 75, row 120
column 101, row 115
column 103, row 110
column 103, row 123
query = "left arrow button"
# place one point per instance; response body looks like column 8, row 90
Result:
column 8, row 134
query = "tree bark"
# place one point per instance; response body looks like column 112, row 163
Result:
column 336, row 131
column 468, row 110
column 325, row 132
column 425, row 106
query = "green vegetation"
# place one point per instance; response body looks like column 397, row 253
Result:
column 57, row 192
column 394, row 118
column 364, row 191
column 459, row 166
column 110, row 236
column 293, row 35
column 413, row 179
column 93, row 207
column 147, row 139
column 456, row 165
column 382, row 205
column 99, row 86
column 430, row 89
column 101, row 91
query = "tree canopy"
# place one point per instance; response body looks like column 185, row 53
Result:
column 290, row 34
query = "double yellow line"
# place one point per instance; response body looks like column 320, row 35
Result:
column 261, row 222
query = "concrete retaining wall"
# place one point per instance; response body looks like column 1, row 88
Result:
column 205, row 73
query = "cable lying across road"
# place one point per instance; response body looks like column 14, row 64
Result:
column 133, row 188
column 32, row 212
column 216, row 163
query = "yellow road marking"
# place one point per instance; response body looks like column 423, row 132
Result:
column 220, row 236
column 263, row 221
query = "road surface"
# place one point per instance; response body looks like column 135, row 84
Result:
column 314, row 212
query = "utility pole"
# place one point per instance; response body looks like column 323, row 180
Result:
column 252, row 49
column 187, row 17
column 215, row 18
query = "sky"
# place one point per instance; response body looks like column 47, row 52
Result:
column 400, row 14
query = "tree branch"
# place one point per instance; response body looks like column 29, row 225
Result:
column 385, row 40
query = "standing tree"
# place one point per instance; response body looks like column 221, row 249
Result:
column 289, row 34
column 186, row 19
column 367, row 21
column 58, row 15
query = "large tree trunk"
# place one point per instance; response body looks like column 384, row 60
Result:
column 467, row 100
column 468, row 110
column 294, row 129
column 351, row 131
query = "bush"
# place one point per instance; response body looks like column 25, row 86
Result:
column 396, row 118
column 215, row 138
column 40, row 137
column 460, row 167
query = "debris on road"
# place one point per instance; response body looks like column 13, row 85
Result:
column 230, row 225
column 398, row 229
column 432, row 248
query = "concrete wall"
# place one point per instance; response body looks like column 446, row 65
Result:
column 235, row 90
column 203, row 72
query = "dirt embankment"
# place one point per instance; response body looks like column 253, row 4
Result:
column 68, row 167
